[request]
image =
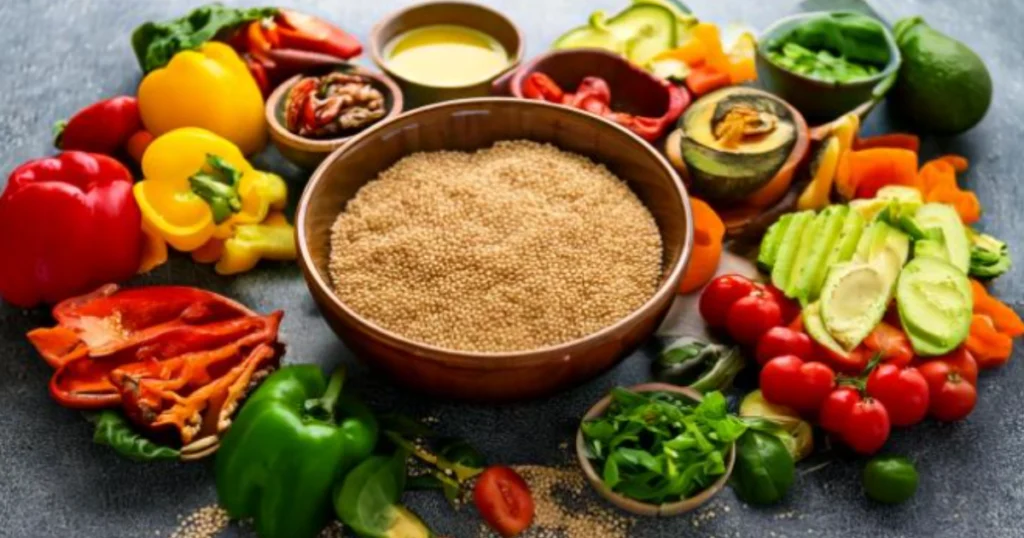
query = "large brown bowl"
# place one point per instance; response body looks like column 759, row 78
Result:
column 469, row 125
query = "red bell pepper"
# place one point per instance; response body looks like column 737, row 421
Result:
column 102, row 127
column 540, row 86
column 306, row 32
column 67, row 225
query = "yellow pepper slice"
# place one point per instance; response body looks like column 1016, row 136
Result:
column 209, row 88
column 274, row 239
column 199, row 186
column 816, row 194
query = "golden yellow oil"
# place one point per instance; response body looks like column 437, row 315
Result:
column 445, row 55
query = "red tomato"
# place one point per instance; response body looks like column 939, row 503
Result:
column 780, row 341
column 867, row 426
column 752, row 316
column 719, row 296
column 788, row 380
column 853, row 363
column 892, row 343
column 952, row 394
column 835, row 410
column 903, row 392
column 790, row 308
column 504, row 500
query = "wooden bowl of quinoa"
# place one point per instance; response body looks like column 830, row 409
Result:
column 494, row 249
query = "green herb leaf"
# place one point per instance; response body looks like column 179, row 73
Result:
column 366, row 501
column 764, row 468
column 113, row 430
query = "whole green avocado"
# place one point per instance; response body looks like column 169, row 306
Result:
column 943, row 86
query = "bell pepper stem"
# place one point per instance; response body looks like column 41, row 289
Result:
column 323, row 407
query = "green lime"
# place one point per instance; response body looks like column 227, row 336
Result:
column 943, row 86
column 890, row 479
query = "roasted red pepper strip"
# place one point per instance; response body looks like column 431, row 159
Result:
column 67, row 224
column 540, row 86
column 305, row 32
column 103, row 127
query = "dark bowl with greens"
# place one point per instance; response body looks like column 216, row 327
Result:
column 827, row 63
column 657, row 449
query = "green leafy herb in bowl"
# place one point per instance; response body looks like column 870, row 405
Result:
column 822, row 65
column 658, row 449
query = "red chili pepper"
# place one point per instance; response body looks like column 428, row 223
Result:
column 271, row 34
column 67, row 224
column 305, row 32
column 101, row 127
column 258, row 72
column 257, row 41
column 540, row 86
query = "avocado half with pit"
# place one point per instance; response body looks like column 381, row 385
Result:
column 732, row 142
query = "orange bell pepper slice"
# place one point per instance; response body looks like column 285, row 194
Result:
column 892, row 140
column 868, row 170
column 706, row 79
column 989, row 347
column 1003, row 317
column 708, row 231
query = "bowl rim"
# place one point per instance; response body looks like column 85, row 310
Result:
column 632, row 505
column 895, row 57
column 499, row 360
column 530, row 66
column 325, row 145
column 376, row 45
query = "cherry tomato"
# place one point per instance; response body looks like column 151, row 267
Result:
column 504, row 500
column 835, row 410
column 853, row 363
column 752, row 316
column 903, row 392
column 788, row 380
column 892, row 343
column 719, row 296
column 959, row 361
column 790, row 308
column 867, row 426
column 952, row 394
column 780, row 341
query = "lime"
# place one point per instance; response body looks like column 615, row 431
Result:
column 890, row 479
column 943, row 86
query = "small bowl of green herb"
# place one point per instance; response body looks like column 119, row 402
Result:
column 828, row 63
column 658, row 449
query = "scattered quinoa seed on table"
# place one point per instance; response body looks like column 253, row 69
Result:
column 513, row 247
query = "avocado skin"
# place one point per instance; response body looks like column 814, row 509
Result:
column 943, row 86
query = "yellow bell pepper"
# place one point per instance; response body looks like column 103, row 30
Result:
column 199, row 186
column 274, row 239
column 209, row 88
column 816, row 194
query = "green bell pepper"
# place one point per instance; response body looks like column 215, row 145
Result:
column 292, row 442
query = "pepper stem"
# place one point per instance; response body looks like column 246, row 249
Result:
column 322, row 408
column 219, row 188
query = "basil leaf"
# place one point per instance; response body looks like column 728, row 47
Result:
column 764, row 468
column 113, row 430
column 155, row 43
column 366, row 501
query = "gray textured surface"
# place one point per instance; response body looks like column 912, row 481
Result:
column 62, row 54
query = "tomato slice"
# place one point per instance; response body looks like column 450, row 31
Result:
column 504, row 500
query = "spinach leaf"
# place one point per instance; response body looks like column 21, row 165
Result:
column 764, row 468
column 155, row 43
column 113, row 430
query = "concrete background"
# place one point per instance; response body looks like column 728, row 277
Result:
column 63, row 54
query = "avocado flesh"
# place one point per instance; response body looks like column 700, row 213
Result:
column 869, row 208
column 772, row 240
column 813, row 269
column 954, row 234
column 808, row 239
column 844, row 247
column 788, row 248
column 931, row 248
column 815, row 328
column 900, row 193
column 405, row 524
column 935, row 304
column 854, row 299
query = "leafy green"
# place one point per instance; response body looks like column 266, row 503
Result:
column 656, row 447
column 155, row 43
column 764, row 468
column 833, row 47
column 367, row 499
column 990, row 257
column 445, row 463
column 113, row 430
column 701, row 366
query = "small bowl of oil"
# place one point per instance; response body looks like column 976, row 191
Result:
column 444, row 50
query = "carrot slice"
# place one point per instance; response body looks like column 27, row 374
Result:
column 894, row 140
column 1005, row 319
column 708, row 231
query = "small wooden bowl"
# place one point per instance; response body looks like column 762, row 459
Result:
column 634, row 506
column 818, row 100
column 469, row 125
column 634, row 90
column 309, row 152
column 452, row 12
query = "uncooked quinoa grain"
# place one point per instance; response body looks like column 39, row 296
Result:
column 205, row 522
column 514, row 247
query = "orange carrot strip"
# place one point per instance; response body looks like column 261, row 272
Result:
column 893, row 140
column 1005, row 319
